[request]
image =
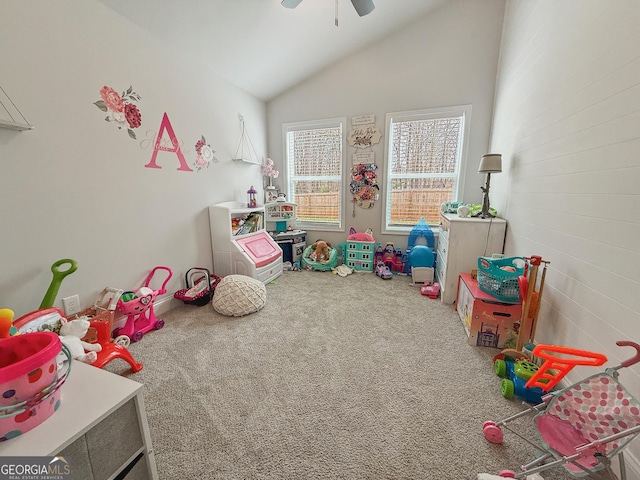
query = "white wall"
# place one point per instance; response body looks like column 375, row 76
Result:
column 447, row 58
column 76, row 186
column 567, row 121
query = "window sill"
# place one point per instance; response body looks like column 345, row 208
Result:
column 407, row 232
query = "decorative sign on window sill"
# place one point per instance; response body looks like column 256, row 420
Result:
column 10, row 116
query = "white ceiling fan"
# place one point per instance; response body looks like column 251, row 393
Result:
column 363, row 7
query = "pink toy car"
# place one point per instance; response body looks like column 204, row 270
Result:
column 383, row 271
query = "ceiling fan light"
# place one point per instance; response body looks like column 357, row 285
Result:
column 363, row 7
column 290, row 3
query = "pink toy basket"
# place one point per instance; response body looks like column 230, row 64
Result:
column 29, row 381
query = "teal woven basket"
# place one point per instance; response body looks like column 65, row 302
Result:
column 502, row 284
column 307, row 261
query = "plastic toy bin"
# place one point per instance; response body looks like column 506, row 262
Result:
column 499, row 277
column 29, row 382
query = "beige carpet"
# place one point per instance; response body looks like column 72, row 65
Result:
column 336, row 378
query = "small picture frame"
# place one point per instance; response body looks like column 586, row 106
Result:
column 270, row 194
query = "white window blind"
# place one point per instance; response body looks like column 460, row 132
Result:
column 315, row 172
column 424, row 154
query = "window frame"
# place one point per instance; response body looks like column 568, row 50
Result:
column 463, row 111
column 310, row 125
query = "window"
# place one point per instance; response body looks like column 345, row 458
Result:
column 425, row 149
column 315, row 172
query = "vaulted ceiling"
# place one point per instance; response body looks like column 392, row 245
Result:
column 263, row 47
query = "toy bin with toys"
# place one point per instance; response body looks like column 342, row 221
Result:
column 101, row 316
column 487, row 321
column 29, row 381
column 498, row 276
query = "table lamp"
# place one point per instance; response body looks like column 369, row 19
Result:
column 490, row 163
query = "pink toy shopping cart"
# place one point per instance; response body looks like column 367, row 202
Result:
column 581, row 427
column 138, row 306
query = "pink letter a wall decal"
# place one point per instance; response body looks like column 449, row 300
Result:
column 165, row 125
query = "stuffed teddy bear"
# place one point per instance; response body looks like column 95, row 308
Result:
column 71, row 333
column 321, row 251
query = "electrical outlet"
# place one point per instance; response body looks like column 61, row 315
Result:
column 71, row 305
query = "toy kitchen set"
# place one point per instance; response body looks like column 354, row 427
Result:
column 281, row 225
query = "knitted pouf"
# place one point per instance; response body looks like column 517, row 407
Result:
column 238, row 295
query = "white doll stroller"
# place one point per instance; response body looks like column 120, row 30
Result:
column 581, row 427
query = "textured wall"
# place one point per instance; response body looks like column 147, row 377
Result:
column 567, row 121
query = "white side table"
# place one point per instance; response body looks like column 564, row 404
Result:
column 101, row 428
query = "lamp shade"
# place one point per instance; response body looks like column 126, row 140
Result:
column 490, row 163
column 363, row 7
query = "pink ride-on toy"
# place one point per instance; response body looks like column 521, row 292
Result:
column 138, row 306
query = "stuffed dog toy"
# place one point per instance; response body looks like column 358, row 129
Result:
column 321, row 251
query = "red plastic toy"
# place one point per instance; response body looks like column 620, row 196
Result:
column 111, row 350
column 138, row 306
column 100, row 332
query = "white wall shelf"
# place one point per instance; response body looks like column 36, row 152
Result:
column 9, row 112
column 15, row 126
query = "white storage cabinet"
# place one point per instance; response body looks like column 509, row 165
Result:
column 241, row 244
column 460, row 242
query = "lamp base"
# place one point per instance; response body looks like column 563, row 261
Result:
column 484, row 215
column 485, row 212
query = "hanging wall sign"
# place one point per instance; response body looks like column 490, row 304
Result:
column 363, row 120
column 363, row 157
column 365, row 136
column 364, row 133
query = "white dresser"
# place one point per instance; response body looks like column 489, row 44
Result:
column 460, row 242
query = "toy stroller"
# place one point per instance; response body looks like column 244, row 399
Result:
column 581, row 427
column 138, row 306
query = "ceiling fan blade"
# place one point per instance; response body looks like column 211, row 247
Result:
column 290, row 3
column 363, row 7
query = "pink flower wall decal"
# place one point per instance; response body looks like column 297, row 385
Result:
column 204, row 154
column 120, row 108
